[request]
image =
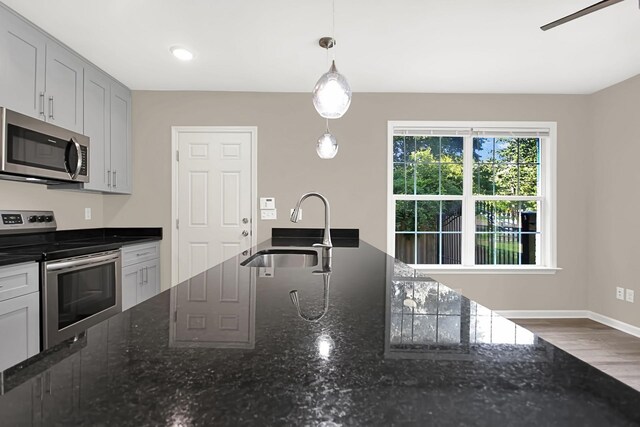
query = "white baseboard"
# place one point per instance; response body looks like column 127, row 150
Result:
column 616, row 324
column 571, row 314
column 543, row 314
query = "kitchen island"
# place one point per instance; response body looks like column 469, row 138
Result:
column 372, row 342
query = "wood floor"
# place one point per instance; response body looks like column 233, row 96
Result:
column 610, row 350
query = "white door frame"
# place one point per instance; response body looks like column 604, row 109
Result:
column 175, row 131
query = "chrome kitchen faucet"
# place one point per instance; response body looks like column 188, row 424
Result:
column 326, row 241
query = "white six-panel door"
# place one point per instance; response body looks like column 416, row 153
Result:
column 214, row 196
column 214, row 188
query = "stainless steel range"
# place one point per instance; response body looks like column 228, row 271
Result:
column 76, row 291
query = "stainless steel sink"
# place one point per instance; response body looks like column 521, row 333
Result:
column 287, row 258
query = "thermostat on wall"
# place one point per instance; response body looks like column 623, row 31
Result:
column 267, row 203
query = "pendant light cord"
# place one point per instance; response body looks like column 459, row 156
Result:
column 333, row 26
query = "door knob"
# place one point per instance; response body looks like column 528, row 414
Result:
column 245, row 253
column 245, row 220
column 245, row 233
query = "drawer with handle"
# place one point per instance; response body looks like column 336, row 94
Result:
column 18, row 279
column 133, row 254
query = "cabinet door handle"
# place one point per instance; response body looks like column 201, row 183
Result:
column 108, row 178
column 139, row 277
column 51, row 108
column 42, row 104
column 47, row 382
column 115, row 179
column 146, row 275
column 39, row 387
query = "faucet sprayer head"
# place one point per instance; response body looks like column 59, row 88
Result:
column 295, row 214
column 294, row 298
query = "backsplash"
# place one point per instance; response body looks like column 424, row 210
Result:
column 68, row 206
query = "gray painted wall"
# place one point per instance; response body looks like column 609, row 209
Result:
column 614, row 188
column 355, row 181
column 597, row 172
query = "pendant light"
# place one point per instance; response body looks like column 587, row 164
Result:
column 332, row 93
column 327, row 146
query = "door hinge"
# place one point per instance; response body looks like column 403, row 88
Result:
column 177, row 156
column 175, row 316
column 177, row 224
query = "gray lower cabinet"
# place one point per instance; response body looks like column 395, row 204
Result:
column 75, row 381
column 38, row 76
column 19, row 313
column 61, row 388
column 107, row 121
column 140, row 273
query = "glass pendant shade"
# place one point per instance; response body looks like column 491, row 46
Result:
column 332, row 94
column 327, row 147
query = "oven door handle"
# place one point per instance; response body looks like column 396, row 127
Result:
column 82, row 262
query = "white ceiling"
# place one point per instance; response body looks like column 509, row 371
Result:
column 446, row 46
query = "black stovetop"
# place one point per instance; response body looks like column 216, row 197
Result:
column 70, row 243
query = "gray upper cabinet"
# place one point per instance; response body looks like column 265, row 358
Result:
column 107, row 122
column 22, row 66
column 63, row 88
column 97, row 126
column 38, row 76
column 42, row 78
column 120, row 139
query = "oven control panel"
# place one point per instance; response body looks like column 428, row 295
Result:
column 8, row 218
column 15, row 222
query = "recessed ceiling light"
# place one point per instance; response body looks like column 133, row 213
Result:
column 181, row 53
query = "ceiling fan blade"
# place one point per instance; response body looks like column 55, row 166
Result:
column 587, row 10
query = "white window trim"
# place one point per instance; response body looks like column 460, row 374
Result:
column 548, row 167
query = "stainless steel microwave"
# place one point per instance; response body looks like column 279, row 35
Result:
column 33, row 149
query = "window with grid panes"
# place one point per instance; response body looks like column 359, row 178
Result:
column 470, row 194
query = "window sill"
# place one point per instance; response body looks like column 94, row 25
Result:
column 486, row 270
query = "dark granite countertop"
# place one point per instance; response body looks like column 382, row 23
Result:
column 228, row 347
column 19, row 248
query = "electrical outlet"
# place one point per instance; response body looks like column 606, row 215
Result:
column 266, row 272
column 268, row 214
column 630, row 295
column 87, row 213
column 620, row 293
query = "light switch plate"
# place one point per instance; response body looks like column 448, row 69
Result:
column 87, row 213
column 269, row 214
column 267, row 203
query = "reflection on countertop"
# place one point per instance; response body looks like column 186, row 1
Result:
column 427, row 319
column 394, row 347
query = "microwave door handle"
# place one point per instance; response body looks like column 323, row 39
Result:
column 80, row 263
column 79, row 162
